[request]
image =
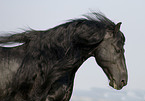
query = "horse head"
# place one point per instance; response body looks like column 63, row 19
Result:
column 110, row 56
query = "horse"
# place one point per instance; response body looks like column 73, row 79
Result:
column 43, row 67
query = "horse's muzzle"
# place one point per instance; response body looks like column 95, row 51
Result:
column 118, row 85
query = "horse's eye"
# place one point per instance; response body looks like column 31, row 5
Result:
column 118, row 50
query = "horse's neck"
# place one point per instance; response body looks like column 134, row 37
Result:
column 75, row 63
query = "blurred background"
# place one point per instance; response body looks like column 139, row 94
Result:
column 91, row 84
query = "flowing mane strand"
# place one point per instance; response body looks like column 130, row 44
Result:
column 99, row 18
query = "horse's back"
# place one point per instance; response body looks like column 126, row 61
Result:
column 10, row 61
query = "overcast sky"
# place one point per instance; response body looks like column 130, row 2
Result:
column 44, row 14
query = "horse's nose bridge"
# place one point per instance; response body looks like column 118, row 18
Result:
column 123, row 71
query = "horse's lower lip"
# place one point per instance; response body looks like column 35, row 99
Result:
column 114, row 85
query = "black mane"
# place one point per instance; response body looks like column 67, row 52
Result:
column 97, row 18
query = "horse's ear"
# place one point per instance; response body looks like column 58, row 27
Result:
column 117, row 27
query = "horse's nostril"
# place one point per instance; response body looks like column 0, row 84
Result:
column 123, row 82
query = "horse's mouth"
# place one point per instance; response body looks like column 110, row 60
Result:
column 113, row 84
